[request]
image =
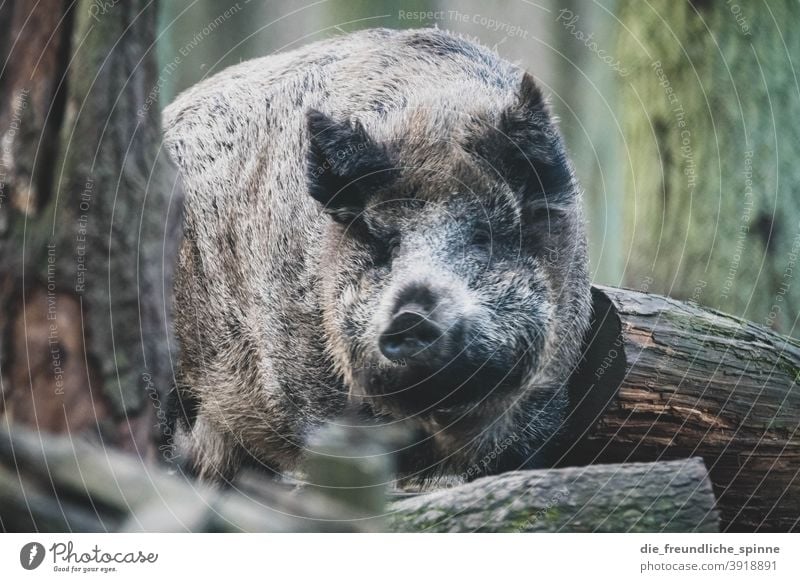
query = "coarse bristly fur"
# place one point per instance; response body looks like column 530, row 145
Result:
column 327, row 185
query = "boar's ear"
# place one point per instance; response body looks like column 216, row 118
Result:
column 344, row 165
column 527, row 149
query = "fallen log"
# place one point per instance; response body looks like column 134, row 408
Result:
column 673, row 496
column 663, row 379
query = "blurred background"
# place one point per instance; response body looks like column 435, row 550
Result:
column 679, row 117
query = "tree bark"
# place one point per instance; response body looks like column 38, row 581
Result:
column 696, row 382
column 673, row 496
column 712, row 212
column 88, row 233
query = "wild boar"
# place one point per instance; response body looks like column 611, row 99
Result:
column 387, row 217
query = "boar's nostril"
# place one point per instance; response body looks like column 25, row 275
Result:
column 408, row 336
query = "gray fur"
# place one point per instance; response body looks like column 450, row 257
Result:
column 279, row 306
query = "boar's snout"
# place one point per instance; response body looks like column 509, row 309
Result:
column 410, row 335
column 431, row 331
column 421, row 330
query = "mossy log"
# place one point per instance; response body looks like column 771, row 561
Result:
column 681, row 381
column 673, row 496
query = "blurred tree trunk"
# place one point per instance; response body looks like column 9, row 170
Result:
column 89, row 222
column 712, row 209
column 587, row 77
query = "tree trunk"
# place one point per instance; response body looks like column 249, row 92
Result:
column 89, row 223
column 696, row 382
column 711, row 190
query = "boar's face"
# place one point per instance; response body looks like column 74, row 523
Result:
column 454, row 276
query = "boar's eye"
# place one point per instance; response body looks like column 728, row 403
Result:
column 345, row 215
column 481, row 238
column 393, row 246
column 482, row 243
column 544, row 213
column 543, row 221
column 383, row 248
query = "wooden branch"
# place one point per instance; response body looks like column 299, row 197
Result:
column 639, row 497
column 691, row 382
